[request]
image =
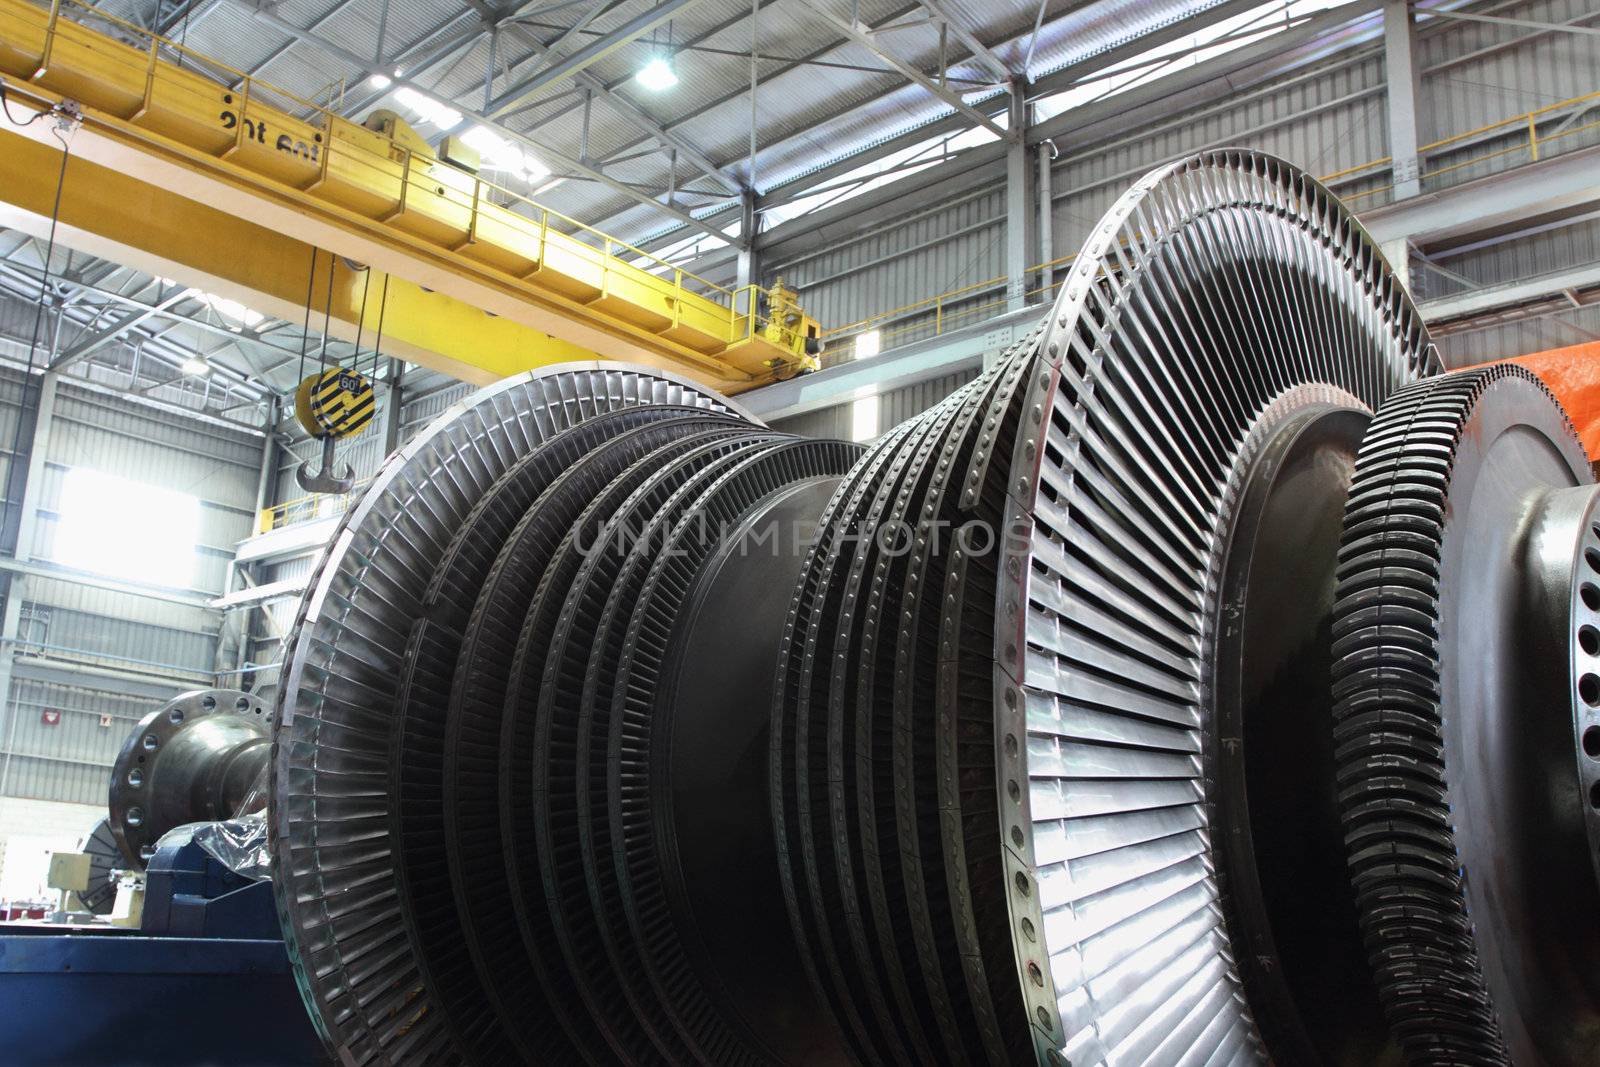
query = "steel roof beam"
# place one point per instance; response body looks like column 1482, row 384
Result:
column 1290, row 50
column 807, row 184
column 1521, row 24
column 862, row 36
column 686, row 149
column 106, row 334
column 13, row 275
column 580, row 169
column 591, row 53
column 980, row 51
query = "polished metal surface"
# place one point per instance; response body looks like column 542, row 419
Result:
column 1207, row 682
column 1269, row 752
column 352, row 932
column 199, row 757
column 1214, row 287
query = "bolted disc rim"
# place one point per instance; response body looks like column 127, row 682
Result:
column 355, row 961
column 1122, row 949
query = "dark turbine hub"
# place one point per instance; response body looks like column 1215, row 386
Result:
column 1207, row 682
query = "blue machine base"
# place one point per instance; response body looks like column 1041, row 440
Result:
column 84, row 1000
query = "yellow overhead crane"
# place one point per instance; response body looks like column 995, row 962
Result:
column 203, row 173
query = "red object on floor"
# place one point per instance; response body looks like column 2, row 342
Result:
column 1573, row 375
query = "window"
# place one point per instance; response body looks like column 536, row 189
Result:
column 126, row 529
column 864, row 419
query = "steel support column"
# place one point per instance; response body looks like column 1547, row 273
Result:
column 748, row 270
column 393, row 404
column 1019, row 207
column 1047, row 153
column 1400, row 70
column 19, row 532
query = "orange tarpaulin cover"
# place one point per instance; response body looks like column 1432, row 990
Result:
column 1573, row 375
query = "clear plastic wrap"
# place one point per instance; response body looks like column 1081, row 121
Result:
column 238, row 844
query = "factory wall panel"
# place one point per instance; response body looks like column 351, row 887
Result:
column 436, row 396
column 830, row 422
column 1517, row 258
column 894, row 407
column 930, row 250
column 1327, row 120
column 1479, row 73
column 1575, row 326
column 118, row 607
column 62, row 739
column 123, row 645
column 898, row 405
column 142, row 643
column 51, row 818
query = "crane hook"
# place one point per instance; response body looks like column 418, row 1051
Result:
column 327, row 480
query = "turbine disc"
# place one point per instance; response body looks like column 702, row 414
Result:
column 1469, row 538
column 105, row 856
column 1215, row 286
column 1030, row 742
column 350, row 938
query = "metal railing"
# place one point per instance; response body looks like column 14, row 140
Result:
column 470, row 193
column 955, row 308
column 307, row 509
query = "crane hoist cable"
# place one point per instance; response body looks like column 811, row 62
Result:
column 333, row 402
column 65, row 119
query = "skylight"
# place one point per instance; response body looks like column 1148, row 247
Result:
column 239, row 316
column 500, row 154
column 427, row 109
column 1214, row 40
column 1207, row 43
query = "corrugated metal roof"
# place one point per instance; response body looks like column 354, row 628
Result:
column 821, row 97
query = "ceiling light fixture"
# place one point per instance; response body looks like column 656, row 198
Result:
column 380, row 81
column 657, row 75
column 197, row 366
column 501, row 154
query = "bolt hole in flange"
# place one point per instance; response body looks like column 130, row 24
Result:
column 186, row 763
column 1591, row 742
column 1514, row 689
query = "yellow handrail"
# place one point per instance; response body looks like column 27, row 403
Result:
column 146, row 92
column 306, row 509
column 321, row 114
column 943, row 317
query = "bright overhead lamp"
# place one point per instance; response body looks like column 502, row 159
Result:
column 197, row 366
column 657, row 75
column 380, row 81
column 427, row 109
